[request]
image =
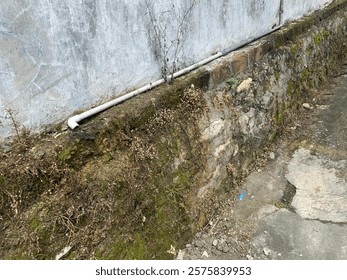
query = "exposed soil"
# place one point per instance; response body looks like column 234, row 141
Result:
column 97, row 193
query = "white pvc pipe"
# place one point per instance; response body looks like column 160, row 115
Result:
column 73, row 121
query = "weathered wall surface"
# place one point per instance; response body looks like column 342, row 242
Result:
column 294, row 9
column 142, row 177
column 60, row 56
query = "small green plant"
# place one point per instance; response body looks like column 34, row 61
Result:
column 232, row 82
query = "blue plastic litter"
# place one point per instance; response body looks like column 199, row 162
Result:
column 242, row 196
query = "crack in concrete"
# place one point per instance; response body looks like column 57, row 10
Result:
column 326, row 222
column 288, row 196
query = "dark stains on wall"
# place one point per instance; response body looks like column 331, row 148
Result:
column 256, row 8
column 91, row 15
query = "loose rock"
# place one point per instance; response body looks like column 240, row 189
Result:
column 63, row 252
column 307, row 106
column 266, row 251
column 40, row 153
column 245, row 85
column 272, row 155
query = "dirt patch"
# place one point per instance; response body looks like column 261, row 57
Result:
column 108, row 190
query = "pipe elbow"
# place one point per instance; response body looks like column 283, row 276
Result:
column 72, row 122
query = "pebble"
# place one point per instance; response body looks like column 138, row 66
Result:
column 226, row 248
column 180, row 255
column 223, row 247
column 63, row 252
column 266, row 251
column 272, row 155
column 245, row 85
column 307, row 106
column 39, row 153
column 204, row 254
column 249, row 257
column 215, row 242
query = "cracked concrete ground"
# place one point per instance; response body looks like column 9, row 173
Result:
column 295, row 207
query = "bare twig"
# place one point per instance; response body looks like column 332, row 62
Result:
column 167, row 31
column 11, row 116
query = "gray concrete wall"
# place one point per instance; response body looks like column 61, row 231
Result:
column 294, row 9
column 57, row 57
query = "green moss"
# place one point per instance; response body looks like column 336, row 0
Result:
column 297, row 94
column 132, row 248
column 34, row 224
column 326, row 34
column 277, row 75
column 115, row 249
column 117, row 123
column 317, row 39
column 281, row 114
column 163, row 228
column 78, row 151
column 279, row 39
column 182, row 177
column 68, row 152
column 290, row 88
column 304, row 74
column 273, row 134
column 137, row 250
column 294, row 49
column 107, row 157
column 99, row 254
column 310, row 21
column 162, row 199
